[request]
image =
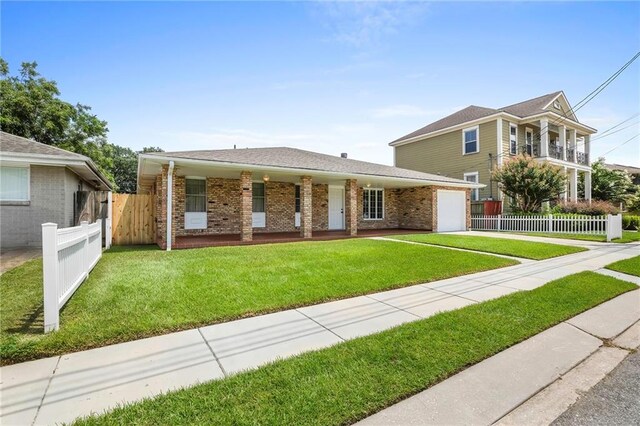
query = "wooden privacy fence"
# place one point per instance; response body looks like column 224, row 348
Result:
column 610, row 225
column 134, row 219
column 68, row 255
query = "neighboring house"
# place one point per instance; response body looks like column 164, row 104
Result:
column 633, row 171
column 236, row 193
column 38, row 184
column 470, row 143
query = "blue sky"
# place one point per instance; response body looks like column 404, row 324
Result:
column 330, row 77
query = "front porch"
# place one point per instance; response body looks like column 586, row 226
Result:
column 199, row 241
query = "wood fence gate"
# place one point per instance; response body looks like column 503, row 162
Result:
column 134, row 219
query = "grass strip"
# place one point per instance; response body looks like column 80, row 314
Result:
column 140, row 292
column 349, row 381
column 627, row 236
column 627, row 266
column 509, row 247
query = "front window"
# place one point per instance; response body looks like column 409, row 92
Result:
column 373, row 204
column 14, row 183
column 470, row 140
column 513, row 139
column 258, row 197
column 196, row 196
column 473, row 177
column 528, row 139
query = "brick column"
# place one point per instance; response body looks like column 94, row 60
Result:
column 351, row 206
column 246, row 207
column 306, row 207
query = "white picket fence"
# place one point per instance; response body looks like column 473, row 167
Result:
column 68, row 255
column 610, row 225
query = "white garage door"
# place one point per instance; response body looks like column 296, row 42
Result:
column 452, row 212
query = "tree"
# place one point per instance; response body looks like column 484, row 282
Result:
column 529, row 183
column 615, row 186
column 125, row 167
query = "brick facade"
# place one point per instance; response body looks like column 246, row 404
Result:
column 229, row 207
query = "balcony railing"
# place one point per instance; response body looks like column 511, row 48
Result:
column 582, row 158
column 570, row 152
column 556, row 151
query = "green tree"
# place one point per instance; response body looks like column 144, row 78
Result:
column 529, row 183
column 615, row 186
column 125, row 167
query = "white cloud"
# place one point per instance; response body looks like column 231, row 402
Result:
column 358, row 23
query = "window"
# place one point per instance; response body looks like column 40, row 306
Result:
column 196, row 196
column 470, row 140
column 513, row 139
column 473, row 177
column 297, row 198
column 373, row 204
column 14, row 183
column 528, row 141
column 258, row 197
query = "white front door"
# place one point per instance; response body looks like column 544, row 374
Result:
column 452, row 211
column 336, row 207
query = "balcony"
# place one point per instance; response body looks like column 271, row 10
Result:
column 582, row 158
column 556, row 151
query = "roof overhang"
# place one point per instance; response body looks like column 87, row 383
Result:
column 150, row 166
column 87, row 170
column 560, row 120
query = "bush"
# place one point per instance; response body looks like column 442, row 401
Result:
column 630, row 222
column 596, row 208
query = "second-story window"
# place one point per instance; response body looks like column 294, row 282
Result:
column 513, row 139
column 470, row 140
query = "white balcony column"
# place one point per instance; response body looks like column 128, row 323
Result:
column 572, row 143
column 544, row 137
column 587, row 148
column 562, row 130
column 587, row 186
column 573, row 185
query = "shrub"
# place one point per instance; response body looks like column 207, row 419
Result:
column 596, row 208
column 630, row 222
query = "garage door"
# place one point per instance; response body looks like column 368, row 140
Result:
column 452, row 213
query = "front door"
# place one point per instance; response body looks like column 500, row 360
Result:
column 336, row 207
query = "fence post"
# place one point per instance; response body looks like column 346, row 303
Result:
column 50, row 276
column 609, row 227
column 108, row 226
column 499, row 222
column 550, row 223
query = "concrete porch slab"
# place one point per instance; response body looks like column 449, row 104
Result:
column 487, row 391
column 611, row 318
column 358, row 316
column 22, row 387
column 92, row 381
column 251, row 342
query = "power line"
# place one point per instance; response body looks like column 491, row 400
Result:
column 613, row 133
column 619, row 124
column 623, row 143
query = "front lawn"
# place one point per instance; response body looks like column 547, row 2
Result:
column 627, row 266
column 510, row 247
column 349, row 381
column 140, row 292
column 627, row 236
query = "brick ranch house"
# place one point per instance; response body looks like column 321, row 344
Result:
column 242, row 194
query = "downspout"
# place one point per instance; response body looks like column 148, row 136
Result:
column 169, row 203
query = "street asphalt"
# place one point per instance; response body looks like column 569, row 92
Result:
column 613, row 401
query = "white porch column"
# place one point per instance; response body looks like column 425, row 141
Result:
column 564, row 193
column 562, row 130
column 573, row 185
column 544, row 137
column 572, row 143
column 587, row 186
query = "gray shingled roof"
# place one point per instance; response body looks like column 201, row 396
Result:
column 19, row 145
column 470, row 113
column 630, row 169
column 294, row 158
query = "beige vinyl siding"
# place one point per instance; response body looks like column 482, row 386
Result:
column 443, row 155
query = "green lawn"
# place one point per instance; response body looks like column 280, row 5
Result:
column 526, row 249
column 349, row 381
column 139, row 292
column 628, row 266
column 627, row 236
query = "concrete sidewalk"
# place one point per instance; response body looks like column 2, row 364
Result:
column 60, row 389
column 487, row 392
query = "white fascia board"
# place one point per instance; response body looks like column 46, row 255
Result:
column 302, row 171
column 561, row 120
column 460, row 126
